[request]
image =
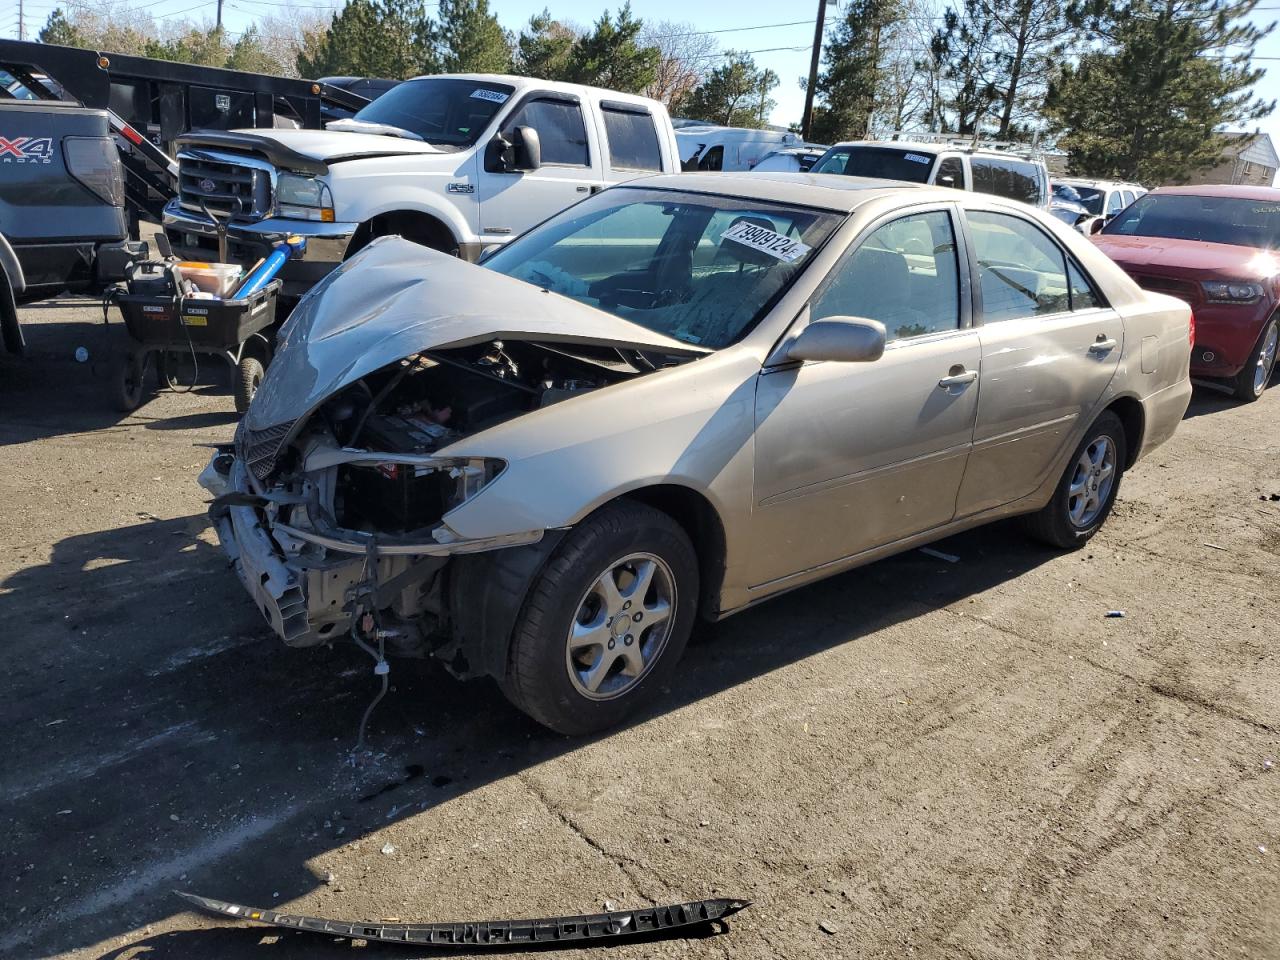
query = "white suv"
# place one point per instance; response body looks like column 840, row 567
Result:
column 1015, row 176
column 1102, row 198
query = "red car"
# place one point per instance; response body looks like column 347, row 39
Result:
column 1217, row 248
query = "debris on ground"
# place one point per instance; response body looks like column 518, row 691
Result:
column 828, row 928
column 939, row 555
column 1214, row 546
column 652, row 922
column 1115, row 614
column 388, row 849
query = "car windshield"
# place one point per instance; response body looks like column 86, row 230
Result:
column 882, row 162
column 1179, row 216
column 444, row 112
column 697, row 268
column 1091, row 199
column 1065, row 193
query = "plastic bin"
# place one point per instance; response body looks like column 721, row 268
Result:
column 220, row 324
column 216, row 278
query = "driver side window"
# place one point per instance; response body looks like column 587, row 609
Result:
column 904, row 274
column 561, row 132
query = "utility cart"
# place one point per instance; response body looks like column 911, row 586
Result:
column 164, row 326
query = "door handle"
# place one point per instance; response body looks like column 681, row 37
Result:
column 582, row 189
column 1103, row 344
column 960, row 379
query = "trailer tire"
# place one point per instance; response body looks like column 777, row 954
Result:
column 249, row 376
column 129, row 382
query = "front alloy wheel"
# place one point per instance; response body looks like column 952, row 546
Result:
column 1252, row 381
column 605, row 621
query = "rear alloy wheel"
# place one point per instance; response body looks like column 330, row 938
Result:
column 1251, row 382
column 1085, row 494
column 606, row 620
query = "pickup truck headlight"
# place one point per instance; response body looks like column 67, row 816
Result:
column 1226, row 291
column 303, row 198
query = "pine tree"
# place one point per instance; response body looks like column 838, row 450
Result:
column 1145, row 107
column 733, row 95
column 375, row 38
column 250, row 54
column 543, row 48
column 58, row 29
column 849, row 84
column 470, row 38
column 966, row 49
column 611, row 55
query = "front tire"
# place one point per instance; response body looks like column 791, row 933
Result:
column 1084, row 496
column 606, row 620
column 1251, row 382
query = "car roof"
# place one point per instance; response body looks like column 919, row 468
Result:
column 917, row 146
column 1233, row 191
column 831, row 191
column 1101, row 184
column 522, row 84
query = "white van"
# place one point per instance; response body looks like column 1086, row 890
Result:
column 709, row 148
column 1009, row 174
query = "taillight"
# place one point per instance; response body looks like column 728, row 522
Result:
column 95, row 162
column 1191, row 329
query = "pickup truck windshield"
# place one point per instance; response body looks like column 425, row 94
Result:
column 697, row 268
column 1242, row 223
column 444, row 112
column 882, row 162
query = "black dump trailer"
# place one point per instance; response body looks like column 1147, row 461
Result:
column 150, row 103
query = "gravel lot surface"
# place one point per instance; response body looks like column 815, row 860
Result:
column 920, row 758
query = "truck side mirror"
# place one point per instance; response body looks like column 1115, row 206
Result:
column 528, row 149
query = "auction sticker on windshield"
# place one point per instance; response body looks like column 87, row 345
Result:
column 766, row 241
column 495, row 96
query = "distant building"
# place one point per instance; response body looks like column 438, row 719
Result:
column 1247, row 159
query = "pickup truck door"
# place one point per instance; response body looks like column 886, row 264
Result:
column 511, row 203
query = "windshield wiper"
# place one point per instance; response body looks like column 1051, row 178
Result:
column 352, row 125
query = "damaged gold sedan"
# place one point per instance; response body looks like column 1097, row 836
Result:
column 675, row 399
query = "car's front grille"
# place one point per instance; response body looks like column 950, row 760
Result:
column 259, row 449
column 1182, row 289
column 225, row 188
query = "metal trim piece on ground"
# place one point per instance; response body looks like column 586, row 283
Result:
column 653, row 922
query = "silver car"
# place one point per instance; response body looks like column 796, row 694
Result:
column 673, row 400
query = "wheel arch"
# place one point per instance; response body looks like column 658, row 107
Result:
column 1134, row 420
column 702, row 523
column 420, row 226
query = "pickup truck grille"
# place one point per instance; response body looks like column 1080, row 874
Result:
column 227, row 189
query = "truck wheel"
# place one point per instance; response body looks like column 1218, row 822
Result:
column 129, row 382
column 1251, row 382
column 1085, row 494
column 248, row 378
column 605, row 622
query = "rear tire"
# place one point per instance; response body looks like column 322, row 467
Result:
column 578, row 665
column 1251, row 382
column 249, row 376
column 1084, row 496
column 128, row 384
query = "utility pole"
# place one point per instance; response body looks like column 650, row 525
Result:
column 806, row 123
column 22, row 21
column 219, row 27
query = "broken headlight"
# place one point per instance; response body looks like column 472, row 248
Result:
column 470, row 477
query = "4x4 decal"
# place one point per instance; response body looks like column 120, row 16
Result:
column 26, row 150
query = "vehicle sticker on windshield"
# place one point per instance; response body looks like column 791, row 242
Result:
column 493, row 96
column 916, row 158
column 766, row 241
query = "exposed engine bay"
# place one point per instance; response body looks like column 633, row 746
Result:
column 355, row 501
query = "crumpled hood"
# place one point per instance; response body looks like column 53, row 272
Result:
column 332, row 145
column 1193, row 259
column 396, row 298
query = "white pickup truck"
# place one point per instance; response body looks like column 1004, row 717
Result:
column 458, row 162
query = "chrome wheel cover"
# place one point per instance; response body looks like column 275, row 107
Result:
column 621, row 626
column 1266, row 360
column 1091, row 482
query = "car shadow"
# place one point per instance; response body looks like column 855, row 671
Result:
column 162, row 737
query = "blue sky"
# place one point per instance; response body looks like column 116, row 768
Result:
column 789, row 64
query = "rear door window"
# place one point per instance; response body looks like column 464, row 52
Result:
column 1021, row 271
column 1012, row 179
column 633, row 140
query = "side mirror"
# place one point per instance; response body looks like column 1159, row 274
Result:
column 840, row 339
column 1097, row 225
column 528, row 149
